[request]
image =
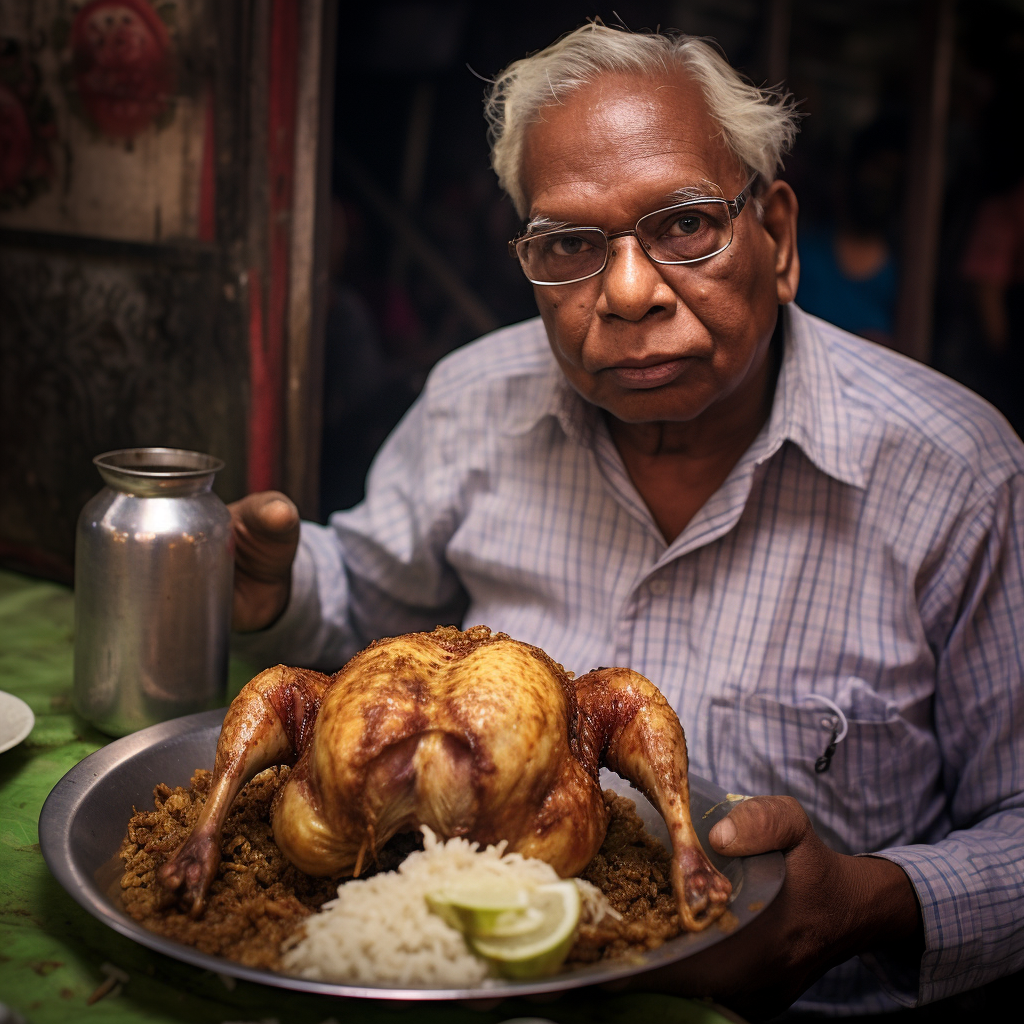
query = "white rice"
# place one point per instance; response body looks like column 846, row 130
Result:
column 380, row 931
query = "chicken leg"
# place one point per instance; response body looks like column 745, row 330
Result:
column 270, row 722
column 627, row 725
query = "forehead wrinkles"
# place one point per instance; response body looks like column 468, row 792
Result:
column 623, row 128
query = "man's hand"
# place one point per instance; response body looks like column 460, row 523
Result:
column 266, row 527
column 831, row 907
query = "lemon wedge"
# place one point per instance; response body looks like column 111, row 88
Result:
column 485, row 907
column 540, row 950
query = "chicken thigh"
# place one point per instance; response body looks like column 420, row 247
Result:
column 471, row 733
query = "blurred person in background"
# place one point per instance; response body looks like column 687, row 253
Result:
column 993, row 264
column 848, row 269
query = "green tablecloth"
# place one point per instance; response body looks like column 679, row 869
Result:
column 52, row 952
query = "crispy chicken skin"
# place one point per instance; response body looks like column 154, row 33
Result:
column 471, row 733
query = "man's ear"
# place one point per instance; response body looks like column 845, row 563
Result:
column 779, row 220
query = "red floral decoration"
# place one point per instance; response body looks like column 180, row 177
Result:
column 123, row 67
column 26, row 128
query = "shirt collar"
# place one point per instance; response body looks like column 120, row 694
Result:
column 549, row 395
column 809, row 407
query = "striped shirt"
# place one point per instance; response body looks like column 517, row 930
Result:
column 867, row 549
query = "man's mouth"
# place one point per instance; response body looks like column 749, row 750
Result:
column 651, row 376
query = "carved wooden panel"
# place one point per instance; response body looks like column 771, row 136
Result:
column 150, row 216
column 103, row 347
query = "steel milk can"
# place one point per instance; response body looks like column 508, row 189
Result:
column 154, row 572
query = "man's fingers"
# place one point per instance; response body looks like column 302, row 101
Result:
column 266, row 537
column 759, row 825
column 266, row 528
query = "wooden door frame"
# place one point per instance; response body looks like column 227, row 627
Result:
column 310, row 245
column 285, row 272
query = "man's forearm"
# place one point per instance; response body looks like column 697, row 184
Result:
column 885, row 913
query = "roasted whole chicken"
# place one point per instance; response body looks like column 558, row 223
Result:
column 471, row 733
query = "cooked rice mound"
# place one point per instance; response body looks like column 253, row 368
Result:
column 380, row 931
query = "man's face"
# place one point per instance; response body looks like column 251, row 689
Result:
column 648, row 342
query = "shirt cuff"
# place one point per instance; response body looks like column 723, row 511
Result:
column 946, row 967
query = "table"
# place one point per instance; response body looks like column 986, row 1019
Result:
column 53, row 954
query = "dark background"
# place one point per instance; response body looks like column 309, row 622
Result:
column 107, row 342
column 409, row 129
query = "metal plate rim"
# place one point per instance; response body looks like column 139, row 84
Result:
column 762, row 874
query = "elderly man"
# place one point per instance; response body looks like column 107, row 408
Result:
column 676, row 469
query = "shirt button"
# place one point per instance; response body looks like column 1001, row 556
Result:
column 659, row 587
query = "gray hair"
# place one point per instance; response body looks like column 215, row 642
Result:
column 758, row 125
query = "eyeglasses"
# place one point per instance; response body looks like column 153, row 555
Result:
column 684, row 233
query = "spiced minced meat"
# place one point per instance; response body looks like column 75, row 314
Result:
column 632, row 870
column 258, row 898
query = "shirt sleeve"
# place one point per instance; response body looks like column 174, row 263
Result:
column 378, row 569
column 969, row 884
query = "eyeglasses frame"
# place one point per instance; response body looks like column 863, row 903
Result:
column 735, row 207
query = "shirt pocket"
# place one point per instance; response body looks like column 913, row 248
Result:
column 868, row 797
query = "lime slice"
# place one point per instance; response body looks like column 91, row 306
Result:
column 480, row 907
column 511, row 922
column 542, row 950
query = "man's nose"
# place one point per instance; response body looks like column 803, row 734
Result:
column 632, row 285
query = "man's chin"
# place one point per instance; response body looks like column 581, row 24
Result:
column 655, row 405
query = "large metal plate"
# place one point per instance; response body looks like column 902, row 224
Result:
column 86, row 815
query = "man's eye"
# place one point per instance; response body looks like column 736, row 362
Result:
column 688, row 224
column 569, row 245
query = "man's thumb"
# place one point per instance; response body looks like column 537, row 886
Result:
column 760, row 824
column 271, row 515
